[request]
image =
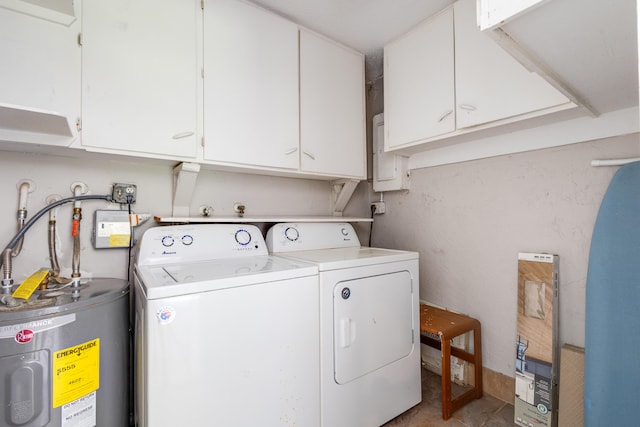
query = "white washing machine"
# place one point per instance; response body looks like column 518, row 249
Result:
column 226, row 335
column 369, row 322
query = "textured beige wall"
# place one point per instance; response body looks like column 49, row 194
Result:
column 469, row 220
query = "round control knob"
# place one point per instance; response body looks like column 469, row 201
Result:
column 291, row 233
column 167, row 241
column 243, row 237
column 187, row 239
column 344, row 231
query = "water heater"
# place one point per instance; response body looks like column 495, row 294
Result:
column 64, row 358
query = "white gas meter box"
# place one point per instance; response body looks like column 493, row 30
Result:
column 390, row 171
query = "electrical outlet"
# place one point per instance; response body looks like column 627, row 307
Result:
column 124, row 193
column 378, row 208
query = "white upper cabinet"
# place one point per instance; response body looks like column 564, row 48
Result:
column 280, row 99
column 332, row 116
column 495, row 12
column 490, row 84
column 446, row 78
column 39, row 77
column 419, row 83
column 140, row 76
column 220, row 82
column 251, row 111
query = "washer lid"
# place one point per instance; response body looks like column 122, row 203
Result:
column 338, row 258
column 162, row 281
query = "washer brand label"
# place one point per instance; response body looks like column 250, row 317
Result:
column 24, row 336
column 35, row 326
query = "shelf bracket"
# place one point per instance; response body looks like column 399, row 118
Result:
column 184, row 182
column 536, row 65
column 342, row 191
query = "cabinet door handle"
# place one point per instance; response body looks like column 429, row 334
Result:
column 310, row 155
column 467, row 107
column 445, row 115
column 182, row 135
column 291, row 151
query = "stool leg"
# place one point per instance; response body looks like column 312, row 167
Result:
column 477, row 350
column 446, row 378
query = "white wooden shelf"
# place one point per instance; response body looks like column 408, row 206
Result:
column 264, row 218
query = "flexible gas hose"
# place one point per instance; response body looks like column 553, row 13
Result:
column 75, row 232
column 53, row 256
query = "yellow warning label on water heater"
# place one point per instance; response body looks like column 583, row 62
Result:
column 76, row 372
column 30, row 284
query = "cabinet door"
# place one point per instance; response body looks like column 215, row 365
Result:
column 251, row 86
column 139, row 76
column 419, row 86
column 332, row 123
column 490, row 84
column 492, row 13
column 39, row 78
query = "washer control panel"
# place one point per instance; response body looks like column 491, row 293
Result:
column 199, row 242
column 287, row 237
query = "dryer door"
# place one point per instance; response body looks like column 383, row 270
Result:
column 372, row 323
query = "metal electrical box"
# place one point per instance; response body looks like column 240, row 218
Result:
column 390, row 171
column 112, row 229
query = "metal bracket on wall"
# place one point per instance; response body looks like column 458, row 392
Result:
column 342, row 191
column 184, row 182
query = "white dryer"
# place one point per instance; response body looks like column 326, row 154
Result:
column 226, row 335
column 369, row 322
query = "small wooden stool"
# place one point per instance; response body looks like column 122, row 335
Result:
column 448, row 325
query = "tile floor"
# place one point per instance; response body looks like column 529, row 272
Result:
column 485, row 412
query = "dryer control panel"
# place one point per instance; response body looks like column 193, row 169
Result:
column 199, row 242
column 286, row 237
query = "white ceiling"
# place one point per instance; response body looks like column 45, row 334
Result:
column 364, row 25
